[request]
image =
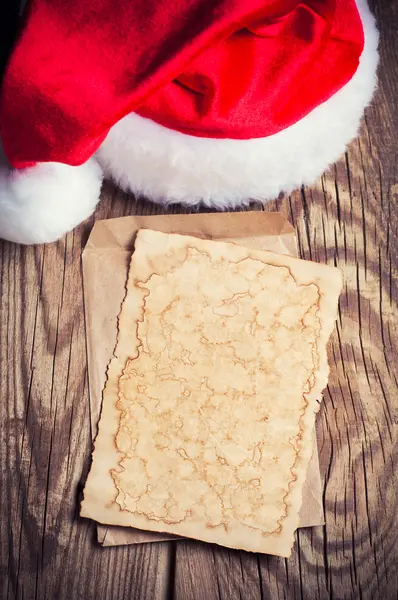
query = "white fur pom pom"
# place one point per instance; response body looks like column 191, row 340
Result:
column 41, row 203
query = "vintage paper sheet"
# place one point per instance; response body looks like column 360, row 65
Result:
column 105, row 265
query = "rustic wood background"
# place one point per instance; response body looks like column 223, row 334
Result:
column 348, row 218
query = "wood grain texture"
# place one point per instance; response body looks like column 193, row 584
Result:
column 349, row 218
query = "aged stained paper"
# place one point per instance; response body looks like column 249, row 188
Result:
column 106, row 260
column 219, row 328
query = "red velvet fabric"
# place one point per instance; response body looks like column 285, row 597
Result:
column 210, row 68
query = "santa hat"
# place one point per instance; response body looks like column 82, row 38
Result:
column 224, row 69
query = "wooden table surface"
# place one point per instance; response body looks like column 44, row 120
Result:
column 348, row 218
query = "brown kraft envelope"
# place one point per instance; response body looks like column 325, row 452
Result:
column 106, row 259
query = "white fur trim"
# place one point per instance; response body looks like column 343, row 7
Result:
column 40, row 204
column 168, row 166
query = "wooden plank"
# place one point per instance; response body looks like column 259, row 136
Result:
column 46, row 440
column 349, row 218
